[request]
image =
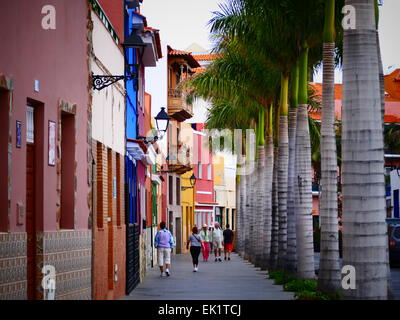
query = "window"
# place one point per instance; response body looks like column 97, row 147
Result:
column 30, row 126
column 170, row 78
column 200, row 173
column 233, row 219
column 178, row 191
column 67, row 171
column 170, row 189
column 209, row 174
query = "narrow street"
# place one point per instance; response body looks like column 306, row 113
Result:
column 228, row 280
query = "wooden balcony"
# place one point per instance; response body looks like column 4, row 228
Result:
column 179, row 161
column 177, row 106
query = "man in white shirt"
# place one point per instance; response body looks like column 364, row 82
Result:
column 217, row 238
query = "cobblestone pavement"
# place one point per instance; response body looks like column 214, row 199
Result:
column 228, row 280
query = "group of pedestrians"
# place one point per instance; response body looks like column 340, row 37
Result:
column 205, row 241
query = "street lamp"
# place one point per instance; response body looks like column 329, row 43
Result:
column 192, row 180
column 162, row 122
column 133, row 41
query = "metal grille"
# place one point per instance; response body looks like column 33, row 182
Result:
column 132, row 257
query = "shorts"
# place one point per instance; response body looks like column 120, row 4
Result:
column 228, row 246
column 217, row 244
column 164, row 256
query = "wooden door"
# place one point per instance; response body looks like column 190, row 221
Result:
column 31, row 220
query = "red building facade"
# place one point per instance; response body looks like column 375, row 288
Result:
column 204, row 188
column 45, row 210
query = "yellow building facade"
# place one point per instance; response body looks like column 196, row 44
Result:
column 188, row 191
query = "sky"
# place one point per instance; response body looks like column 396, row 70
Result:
column 183, row 22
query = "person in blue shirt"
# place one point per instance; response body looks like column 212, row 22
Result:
column 164, row 242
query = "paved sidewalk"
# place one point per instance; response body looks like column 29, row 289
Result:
column 231, row 280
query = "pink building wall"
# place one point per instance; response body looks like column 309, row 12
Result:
column 58, row 60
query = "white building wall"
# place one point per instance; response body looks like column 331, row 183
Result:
column 108, row 105
column 157, row 87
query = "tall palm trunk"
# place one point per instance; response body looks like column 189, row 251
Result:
column 253, row 212
column 238, row 201
column 260, row 205
column 247, row 221
column 283, row 162
column 275, row 204
column 256, row 243
column 291, row 256
column 243, row 194
column 329, row 270
column 267, row 206
column 364, row 226
column 303, row 195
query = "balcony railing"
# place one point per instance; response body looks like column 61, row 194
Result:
column 177, row 106
column 179, row 158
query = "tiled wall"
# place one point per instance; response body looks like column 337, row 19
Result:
column 71, row 254
column 13, row 271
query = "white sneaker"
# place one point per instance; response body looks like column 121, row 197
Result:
column 197, row 269
column 167, row 272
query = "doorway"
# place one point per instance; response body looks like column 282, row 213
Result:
column 30, row 201
column 178, row 226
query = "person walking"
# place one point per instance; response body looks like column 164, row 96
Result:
column 195, row 247
column 206, row 239
column 228, row 241
column 164, row 242
column 217, row 238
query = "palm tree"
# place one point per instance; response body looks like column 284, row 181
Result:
column 364, row 226
column 303, row 198
column 329, row 272
column 291, row 258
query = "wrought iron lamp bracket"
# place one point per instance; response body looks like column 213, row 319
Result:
column 100, row 82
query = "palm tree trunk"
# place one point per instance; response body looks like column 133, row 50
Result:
column 303, row 195
column 247, row 221
column 364, row 226
column 273, row 263
column 283, row 162
column 291, row 256
column 267, row 207
column 253, row 212
column 275, row 204
column 238, row 199
column 259, row 214
column 329, row 270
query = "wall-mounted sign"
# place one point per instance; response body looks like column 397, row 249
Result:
column 52, row 143
column 18, row 133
